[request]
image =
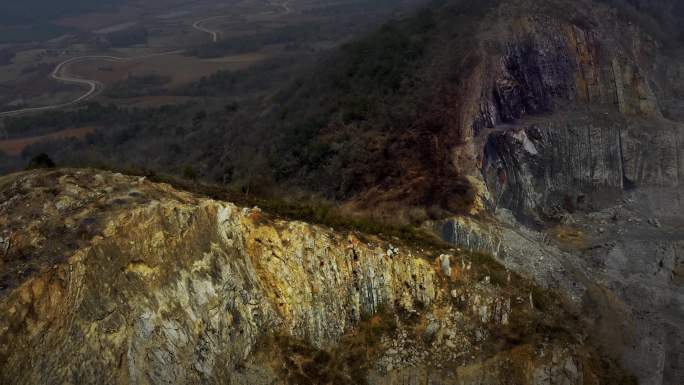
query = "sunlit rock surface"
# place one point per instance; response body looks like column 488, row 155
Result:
column 116, row 280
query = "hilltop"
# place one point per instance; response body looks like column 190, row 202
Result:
column 108, row 278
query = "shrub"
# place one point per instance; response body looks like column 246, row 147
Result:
column 41, row 160
column 189, row 173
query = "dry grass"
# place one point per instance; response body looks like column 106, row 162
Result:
column 569, row 237
column 348, row 362
column 14, row 147
column 249, row 58
column 150, row 101
column 180, row 68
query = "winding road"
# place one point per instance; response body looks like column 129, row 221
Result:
column 215, row 34
column 95, row 87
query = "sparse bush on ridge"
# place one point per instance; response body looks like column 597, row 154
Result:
column 40, row 161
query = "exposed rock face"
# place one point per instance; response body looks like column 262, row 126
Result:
column 518, row 248
column 534, row 63
column 569, row 102
column 621, row 265
column 539, row 167
column 575, row 128
column 113, row 279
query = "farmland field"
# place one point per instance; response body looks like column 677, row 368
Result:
column 14, row 147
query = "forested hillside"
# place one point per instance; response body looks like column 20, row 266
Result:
column 377, row 119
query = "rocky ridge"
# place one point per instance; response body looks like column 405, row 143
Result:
column 114, row 279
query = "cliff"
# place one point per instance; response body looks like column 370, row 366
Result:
column 575, row 130
column 111, row 279
column 569, row 100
